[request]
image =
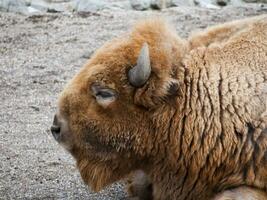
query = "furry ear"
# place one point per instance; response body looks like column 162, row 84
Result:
column 174, row 88
column 158, row 92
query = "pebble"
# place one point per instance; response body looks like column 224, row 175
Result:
column 89, row 5
column 161, row 4
column 35, row 108
column 140, row 4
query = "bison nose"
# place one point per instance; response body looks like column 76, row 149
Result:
column 55, row 128
column 55, row 131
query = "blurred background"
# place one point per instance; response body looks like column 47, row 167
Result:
column 43, row 43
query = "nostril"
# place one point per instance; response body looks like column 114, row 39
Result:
column 55, row 129
column 58, row 128
column 55, row 132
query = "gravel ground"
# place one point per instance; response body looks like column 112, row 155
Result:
column 38, row 55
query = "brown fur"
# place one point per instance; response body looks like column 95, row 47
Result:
column 242, row 193
column 196, row 128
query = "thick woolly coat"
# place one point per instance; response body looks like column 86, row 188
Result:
column 196, row 128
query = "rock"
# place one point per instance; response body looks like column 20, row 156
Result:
column 161, row 4
column 28, row 2
column 125, row 5
column 61, row 7
column 52, row 5
column 222, row 2
column 206, row 4
column 4, row 5
column 140, row 4
column 89, row 5
column 36, row 108
column 87, row 54
column 40, row 5
column 183, row 2
column 21, row 8
column 31, row 10
column 13, row 6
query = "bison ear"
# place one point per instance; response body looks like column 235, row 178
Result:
column 159, row 92
column 140, row 73
column 174, row 88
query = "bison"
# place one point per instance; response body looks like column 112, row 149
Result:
column 189, row 116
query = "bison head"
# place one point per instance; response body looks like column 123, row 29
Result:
column 107, row 115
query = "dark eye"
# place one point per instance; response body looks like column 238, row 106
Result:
column 102, row 92
column 105, row 94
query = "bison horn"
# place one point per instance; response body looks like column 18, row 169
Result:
column 140, row 73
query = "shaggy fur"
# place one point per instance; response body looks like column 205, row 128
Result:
column 198, row 127
column 241, row 193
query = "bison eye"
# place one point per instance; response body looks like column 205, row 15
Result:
column 103, row 95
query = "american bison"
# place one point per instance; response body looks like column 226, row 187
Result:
column 190, row 114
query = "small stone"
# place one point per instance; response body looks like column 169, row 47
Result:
column 32, row 10
column 38, row 66
column 222, row 2
column 40, row 5
column 13, row 6
column 140, row 4
column 89, row 5
column 183, row 2
column 28, row 2
column 61, row 7
column 161, row 4
column 35, row 108
column 4, row 5
column 206, row 4
column 87, row 54
column 124, row 5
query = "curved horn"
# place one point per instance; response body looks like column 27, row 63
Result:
column 140, row 73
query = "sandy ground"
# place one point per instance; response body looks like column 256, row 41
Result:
column 38, row 55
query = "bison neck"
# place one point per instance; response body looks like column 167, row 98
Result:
column 217, row 135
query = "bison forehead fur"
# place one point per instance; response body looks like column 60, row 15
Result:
column 196, row 127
